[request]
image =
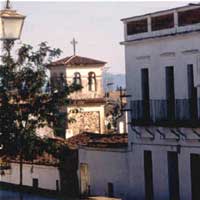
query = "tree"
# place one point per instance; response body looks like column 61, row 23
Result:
column 25, row 103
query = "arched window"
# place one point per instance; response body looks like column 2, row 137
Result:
column 77, row 78
column 92, row 81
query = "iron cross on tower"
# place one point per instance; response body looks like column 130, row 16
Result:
column 74, row 43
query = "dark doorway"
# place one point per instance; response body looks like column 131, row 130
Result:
column 84, row 179
column 148, row 175
column 173, row 176
column 57, row 186
column 195, row 176
column 35, row 183
column 110, row 190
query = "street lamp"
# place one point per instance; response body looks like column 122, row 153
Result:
column 11, row 23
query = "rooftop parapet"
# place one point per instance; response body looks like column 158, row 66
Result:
column 179, row 20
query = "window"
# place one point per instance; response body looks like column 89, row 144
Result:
column 77, row 78
column 92, row 81
column 162, row 22
column 148, row 175
column 189, row 17
column 145, row 93
column 173, row 175
column 192, row 93
column 170, row 96
column 135, row 27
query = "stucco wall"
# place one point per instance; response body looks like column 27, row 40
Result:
column 85, row 93
column 106, row 167
column 177, row 51
column 46, row 175
column 68, row 73
column 126, row 169
column 155, row 54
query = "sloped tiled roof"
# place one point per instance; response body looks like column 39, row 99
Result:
column 77, row 60
column 85, row 139
column 95, row 140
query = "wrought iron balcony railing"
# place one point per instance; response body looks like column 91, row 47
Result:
column 182, row 112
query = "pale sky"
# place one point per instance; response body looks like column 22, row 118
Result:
column 95, row 25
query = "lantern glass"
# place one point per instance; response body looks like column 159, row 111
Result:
column 12, row 28
column 11, row 24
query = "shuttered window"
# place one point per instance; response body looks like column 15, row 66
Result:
column 170, row 95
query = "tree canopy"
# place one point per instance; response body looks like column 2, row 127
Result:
column 27, row 99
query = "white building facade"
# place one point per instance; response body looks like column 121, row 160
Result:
column 162, row 72
column 44, row 177
column 162, row 66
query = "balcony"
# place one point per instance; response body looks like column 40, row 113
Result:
column 183, row 113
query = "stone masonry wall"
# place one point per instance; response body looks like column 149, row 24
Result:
column 85, row 121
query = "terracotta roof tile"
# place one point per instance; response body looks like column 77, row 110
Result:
column 84, row 139
column 96, row 140
column 83, row 102
column 77, row 60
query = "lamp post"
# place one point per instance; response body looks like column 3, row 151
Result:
column 11, row 24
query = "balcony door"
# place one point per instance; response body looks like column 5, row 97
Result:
column 170, row 94
column 192, row 93
column 145, row 93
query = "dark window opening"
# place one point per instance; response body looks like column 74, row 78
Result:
column 189, row 17
column 92, row 83
column 77, row 78
column 145, row 93
column 192, row 93
column 60, row 125
column 110, row 190
column 148, row 175
column 35, row 183
column 170, row 96
column 136, row 27
column 162, row 22
column 173, row 176
column 195, row 175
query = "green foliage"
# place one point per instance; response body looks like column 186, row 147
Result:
column 24, row 106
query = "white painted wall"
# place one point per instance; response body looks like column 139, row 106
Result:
column 125, row 169
column 176, row 50
column 155, row 54
column 68, row 72
column 85, row 93
column 104, row 167
column 46, row 175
